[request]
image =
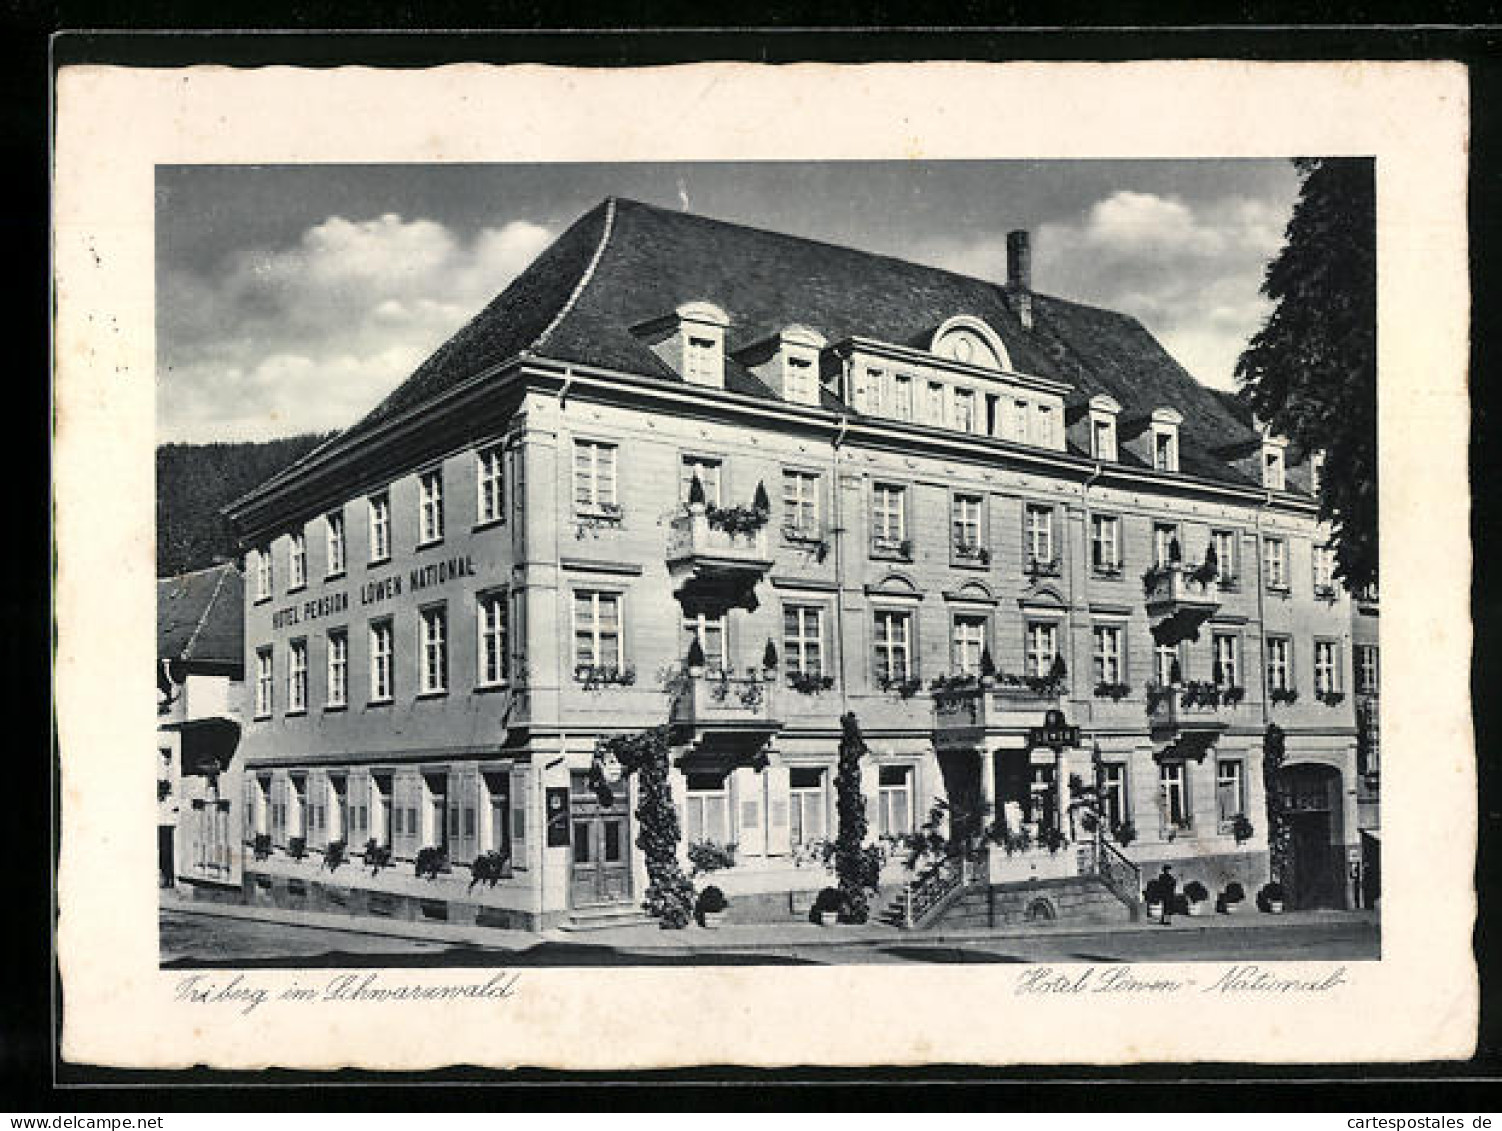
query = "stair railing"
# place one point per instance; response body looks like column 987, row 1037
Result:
column 924, row 896
column 1118, row 873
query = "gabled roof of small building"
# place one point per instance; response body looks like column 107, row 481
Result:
column 200, row 617
column 624, row 263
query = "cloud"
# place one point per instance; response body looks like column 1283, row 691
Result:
column 1189, row 271
column 312, row 334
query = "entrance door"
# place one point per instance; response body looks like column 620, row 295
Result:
column 599, row 844
column 1317, row 873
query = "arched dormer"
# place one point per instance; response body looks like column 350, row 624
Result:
column 968, row 340
column 788, row 362
column 692, row 341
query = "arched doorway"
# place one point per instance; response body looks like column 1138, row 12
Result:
column 1312, row 800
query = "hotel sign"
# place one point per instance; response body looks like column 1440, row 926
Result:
column 376, row 591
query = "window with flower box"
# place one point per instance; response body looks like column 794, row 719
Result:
column 1226, row 669
column 967, row 529
column 1165, row 543
column 1173, row 790
column 598, row 640
column 968, row 643
column 1230, row 793
column 1105, row 545
column 595, row 478
column 1038, row 540
column 889, row 520
column 800, row 505
column 1108, row 653
column 1279, row 663
column 706, row 471
column 803, row 641
column 1040, row 647
column 1275, row 563
column 1323, row 558
column 1326, row 668
column 1227, row 567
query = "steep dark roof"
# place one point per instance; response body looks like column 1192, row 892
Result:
column 200, row 616
column 625, row 263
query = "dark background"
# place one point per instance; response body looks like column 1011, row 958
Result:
column 30, row 1075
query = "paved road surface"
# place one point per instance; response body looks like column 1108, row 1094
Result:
column 195, row 940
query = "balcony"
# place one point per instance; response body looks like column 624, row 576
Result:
column 1179, row 601
column 963, row 717
column 731, row 714
column 717, row 558
column 1193, row 709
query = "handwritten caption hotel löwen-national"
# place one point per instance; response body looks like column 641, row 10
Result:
column 1239, row 979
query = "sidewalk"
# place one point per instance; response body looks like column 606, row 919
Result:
column 741, row 937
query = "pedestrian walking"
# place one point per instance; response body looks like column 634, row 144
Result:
column 1167, row 885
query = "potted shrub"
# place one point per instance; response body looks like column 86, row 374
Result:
column 297, row 847
column 1152, row 895
column 1231, row 897
column 489, row 868
column 431, row 861
column 1197, row 895
column 377, row 856
column 1124, row 833
column 711, row 907
column 769, row 660
column 334, row 855
column 695, row 661
column 261, row 846
column 1271, row 897
column 1241, row 828
column 827, row 907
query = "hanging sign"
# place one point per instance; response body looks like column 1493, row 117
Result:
column 1055, row 732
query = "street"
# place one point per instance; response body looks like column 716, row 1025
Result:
column 190, row 940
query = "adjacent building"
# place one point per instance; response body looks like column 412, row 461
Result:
column 690, row 473
column 200, row 700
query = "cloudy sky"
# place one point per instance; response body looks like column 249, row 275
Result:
column 292, row 299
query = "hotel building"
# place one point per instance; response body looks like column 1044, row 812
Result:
column 508, row 558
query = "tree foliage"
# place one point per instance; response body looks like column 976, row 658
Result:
column 193, row 481
column 856, row 864
column 1279, row 827
column 669, row 897
column 1311, row 372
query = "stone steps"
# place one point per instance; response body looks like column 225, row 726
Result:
column 605, row 918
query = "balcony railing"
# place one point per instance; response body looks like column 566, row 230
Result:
column 1179, row 600
column 961, row 714
column 720, row 703
column 1193, row 707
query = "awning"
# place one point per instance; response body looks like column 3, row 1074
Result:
column 208, row 744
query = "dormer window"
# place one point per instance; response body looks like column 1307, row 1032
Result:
column 692, row 341
column 1274, row 465
column 701, row 361
column 798, row 382
column 1165, row 431
column 1103, row 413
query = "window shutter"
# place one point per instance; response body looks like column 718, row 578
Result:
column 778, row 785
column 519, row 829
column 750, row 829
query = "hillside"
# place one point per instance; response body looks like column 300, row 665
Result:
column 194, row 480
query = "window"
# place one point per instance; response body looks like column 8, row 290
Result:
column 707, row 471
column 263, row 573
column 338, row 668
column 894, row 800
column 297, row 677
column 1173, row 788
column 1224, row 542
column 965, row 518
column 1326, row 668
column 1367, row 681
column 701, row 360
column 1041, row 645
column 902, row 396
column 1113, row 797
column 888, row 516
column 1105, row 543
column 1108, row 653
column 491, row 483
column 707, row 810
column 1103, row 439
column 933, row 403
column 1038, row 535
column 597, row 632
column 1324, row 571
column 710, row 632
column 1165, row 543
column 1227, row 667
column 263, row 682
column 1230, row 793
column 297, row 571
column 1165, row 656
column 800, row 503
column 430, row 506
column 964, row 410
column 492, row 633
column 1165, row 452
column 380, row 527
column 1279, row 663
column 894, row 645
column 876, row 399
column 1019, row 421
column 803, row 640
column 1046, row 426
column 968, row 643
column 433, row 633
column 1275, row 559
column 1272, row 470
column 333, row 530
column 801, row 386
column 807, row 796
column 594, row 476
column 381, row 662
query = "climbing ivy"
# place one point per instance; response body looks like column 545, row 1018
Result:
column 1279, row 828
column 856, row 865
column 670, row 894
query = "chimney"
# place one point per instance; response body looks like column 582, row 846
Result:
column 1020, row 277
